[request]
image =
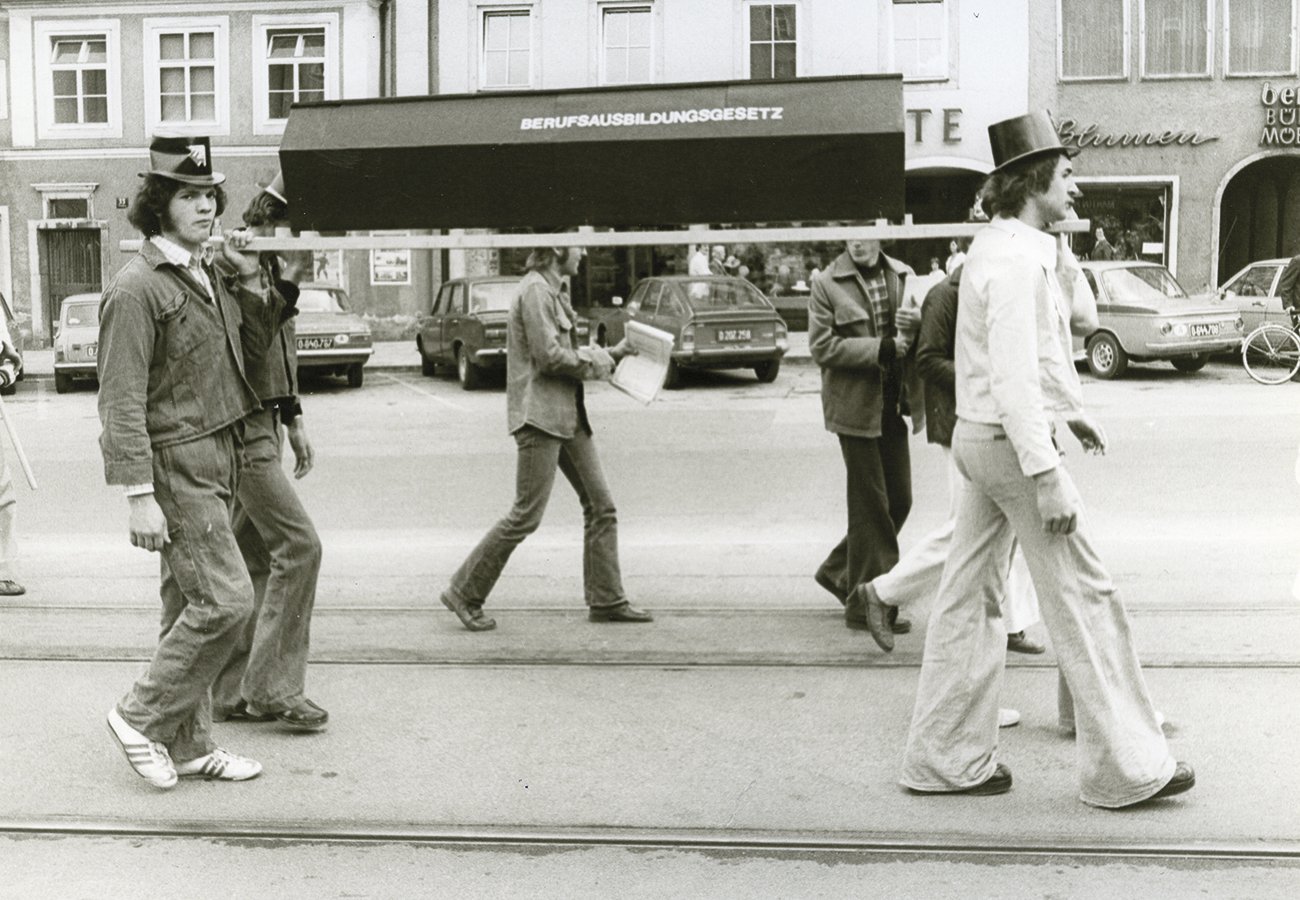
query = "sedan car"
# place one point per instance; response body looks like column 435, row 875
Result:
column 1146, row 315
column 1256, row 293
column 76, row 341
column 466, row 328
column 717, row 322
column 331, row 338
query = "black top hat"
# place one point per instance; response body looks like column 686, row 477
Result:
column 1025, row 137
column 184, row 159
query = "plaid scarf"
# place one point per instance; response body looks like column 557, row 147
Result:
column 882, row 311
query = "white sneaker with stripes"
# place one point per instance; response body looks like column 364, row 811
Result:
column 221, row 765
column 150, row 759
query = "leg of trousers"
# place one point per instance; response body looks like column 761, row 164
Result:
column 1122, row 753
column 8, row 523
column 879, row 494
column 602, row 580
column 283, row 553
column 206, row 594
column 916, row 577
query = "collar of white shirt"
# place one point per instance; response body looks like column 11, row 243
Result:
column 1039, row 244
column 176, row 254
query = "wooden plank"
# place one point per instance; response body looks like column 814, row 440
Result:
column 464, row 241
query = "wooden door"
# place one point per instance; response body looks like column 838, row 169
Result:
column 70, row 264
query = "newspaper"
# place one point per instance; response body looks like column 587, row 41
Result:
column 640, row 376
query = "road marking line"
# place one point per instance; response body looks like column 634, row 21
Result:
column 422, row 392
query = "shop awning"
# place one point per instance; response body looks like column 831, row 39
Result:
column 807, row 150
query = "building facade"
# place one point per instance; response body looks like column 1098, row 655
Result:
column 85, row 83
column 1186, row 115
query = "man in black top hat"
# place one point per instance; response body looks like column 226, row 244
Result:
column 171, row 399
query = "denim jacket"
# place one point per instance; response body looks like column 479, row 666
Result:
column 171, row 366
column 544, row 365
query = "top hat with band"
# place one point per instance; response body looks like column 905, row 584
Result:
column 1025, row 137
column 276, row 188
column 184, row 159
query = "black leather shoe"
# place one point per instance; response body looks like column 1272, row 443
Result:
column 1184, row 780
column 241, row 713
column 470, row 616
column 621, row 613
column 897, row 625
column 831, row 587
column 1018, row 643
column 866, row 612
column 997, row 783
column 306, row 716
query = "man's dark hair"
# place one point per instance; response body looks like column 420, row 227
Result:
column 148, row 210
column 1007, row 192
column 265, row 210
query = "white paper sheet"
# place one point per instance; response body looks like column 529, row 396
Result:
column 640, row 376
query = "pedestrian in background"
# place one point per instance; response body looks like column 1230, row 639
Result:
column 172, row 396
column 859, row 334
column 1019, row 290
column 1101, row 248
column 547, row 416
column 265, row 678
column 10, row 365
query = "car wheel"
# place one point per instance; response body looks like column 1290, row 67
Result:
column 1191, row 363
column 62, row 383
column 673, row 380
column 1106, row 358
column 355, row 375
column 467, row 373
column 767, row 371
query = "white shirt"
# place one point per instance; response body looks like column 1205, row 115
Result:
column 699, row 264
column 1013, row 356
column 179, row 256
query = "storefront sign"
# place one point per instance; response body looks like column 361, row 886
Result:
column 1281, row 123
column 1090, row 136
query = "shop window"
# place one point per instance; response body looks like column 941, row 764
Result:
column 78, row 79
column 921, row 39
column 1175, row 38
column 772, row 38
column 507, row 55
column 1260, row 37
column 1093, row 39
column 625, row 36
column 1133, row 217
column 185, row 72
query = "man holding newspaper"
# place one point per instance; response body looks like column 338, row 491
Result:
column 546, row 414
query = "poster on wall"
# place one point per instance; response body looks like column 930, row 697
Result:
column 390, row 266
column 327, row 266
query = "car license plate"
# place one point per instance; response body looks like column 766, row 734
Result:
column 734, row 335
column 315, row 343
column 1205, row 329
column 91, row 350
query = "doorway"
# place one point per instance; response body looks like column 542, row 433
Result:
column 69, row 264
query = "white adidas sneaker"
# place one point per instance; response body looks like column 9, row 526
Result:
column 150, row 759
column 221, row 765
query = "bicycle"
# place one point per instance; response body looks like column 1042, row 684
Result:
column 1271, row 353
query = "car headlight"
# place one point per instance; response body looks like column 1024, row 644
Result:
column 1166, row 327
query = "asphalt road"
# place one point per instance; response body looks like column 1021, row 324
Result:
column 729, row 493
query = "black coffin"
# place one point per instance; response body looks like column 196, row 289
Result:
column 811, row 149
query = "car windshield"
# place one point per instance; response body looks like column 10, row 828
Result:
column 81, row 314
column 492, row 296
column 1141, row 284
column 317, row 300
column 710, row 296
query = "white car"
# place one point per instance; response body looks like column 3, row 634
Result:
column 1255, row 292
column 76, row 341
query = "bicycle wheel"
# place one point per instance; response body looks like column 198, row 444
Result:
column 1271, row 354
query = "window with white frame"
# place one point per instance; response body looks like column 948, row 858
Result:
column 1175, row 38
column 1093, row 39
column 186, row 75
column 295, row 60
column 78, row 79
column 1260, row 37
column 921, row 39
column 506, row 58
column 773, row 40
column 625, row 39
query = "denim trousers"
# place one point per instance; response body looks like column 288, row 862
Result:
column 1122, row 754
column 879, row 496
column 283, row 553
column 915, row 580
column 8, row 523
column 207, row 596
column 540, row 455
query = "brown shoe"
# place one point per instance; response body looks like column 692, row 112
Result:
column 866, row 611
column 470, row 616
column 620, row 613
column 1018, row 643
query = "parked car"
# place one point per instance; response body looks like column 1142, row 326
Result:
column 466, row 328
column 18, row 343
column 76, row 341
column 1146, row 315
column 717, row 322
column 331, row 338
column 792, row 305
column 1254, row 292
